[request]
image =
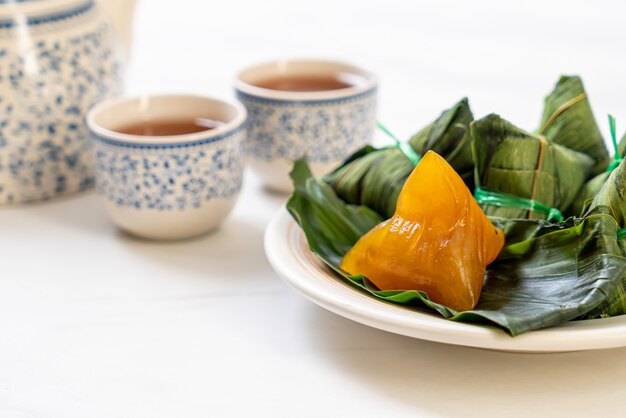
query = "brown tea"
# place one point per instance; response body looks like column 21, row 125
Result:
column 304, row 83
column 169, row 127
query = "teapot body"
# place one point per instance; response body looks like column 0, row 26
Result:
column 57, row 59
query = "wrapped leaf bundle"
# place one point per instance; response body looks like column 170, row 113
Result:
column 589, row 190
column 449, row 137
column 612, row 195
column 568, row 120
column 438, row 241
column 621, row 147
column 593, row 186
column 512, row 161
column 374, row 177
column 612, row 199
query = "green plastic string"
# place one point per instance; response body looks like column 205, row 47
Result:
column 489, row 197
column 617, row 159
column 405, row 148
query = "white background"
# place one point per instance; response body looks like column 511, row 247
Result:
column 94, row 323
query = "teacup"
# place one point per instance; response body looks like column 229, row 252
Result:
column 326, row 123
column 168, row 186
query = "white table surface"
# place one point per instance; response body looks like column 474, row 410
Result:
column 94, row 323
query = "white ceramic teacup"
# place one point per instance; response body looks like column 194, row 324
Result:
column 326, row 125
column 168, row 187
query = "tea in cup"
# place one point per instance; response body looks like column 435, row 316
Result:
column 168, row 167
column 325, row 110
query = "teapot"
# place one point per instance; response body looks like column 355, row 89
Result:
column 57, row 59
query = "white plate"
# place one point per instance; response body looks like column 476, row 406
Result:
column 289, row 255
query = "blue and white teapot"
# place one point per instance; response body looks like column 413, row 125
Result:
column 57, row 59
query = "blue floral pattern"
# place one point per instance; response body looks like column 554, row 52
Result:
column 46, row 89
column 164, row 177
column 326, row 130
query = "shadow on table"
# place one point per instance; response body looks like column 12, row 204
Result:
column 78, row 211
column 234, row 250
column 457, row 381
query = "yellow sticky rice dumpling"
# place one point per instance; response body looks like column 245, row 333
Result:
column 438, row 241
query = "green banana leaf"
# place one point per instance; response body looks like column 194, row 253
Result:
column 374, row 177
column 586, row 194
column 512, row 161
column 621, row 147
column 568, row 121
column 517, row 230
column 316, row 207
column 591, row 188
column 559, row 275
column 449, row 137
column 612, row 197
column 612, row 194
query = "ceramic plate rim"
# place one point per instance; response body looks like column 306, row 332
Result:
column 289, row 256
